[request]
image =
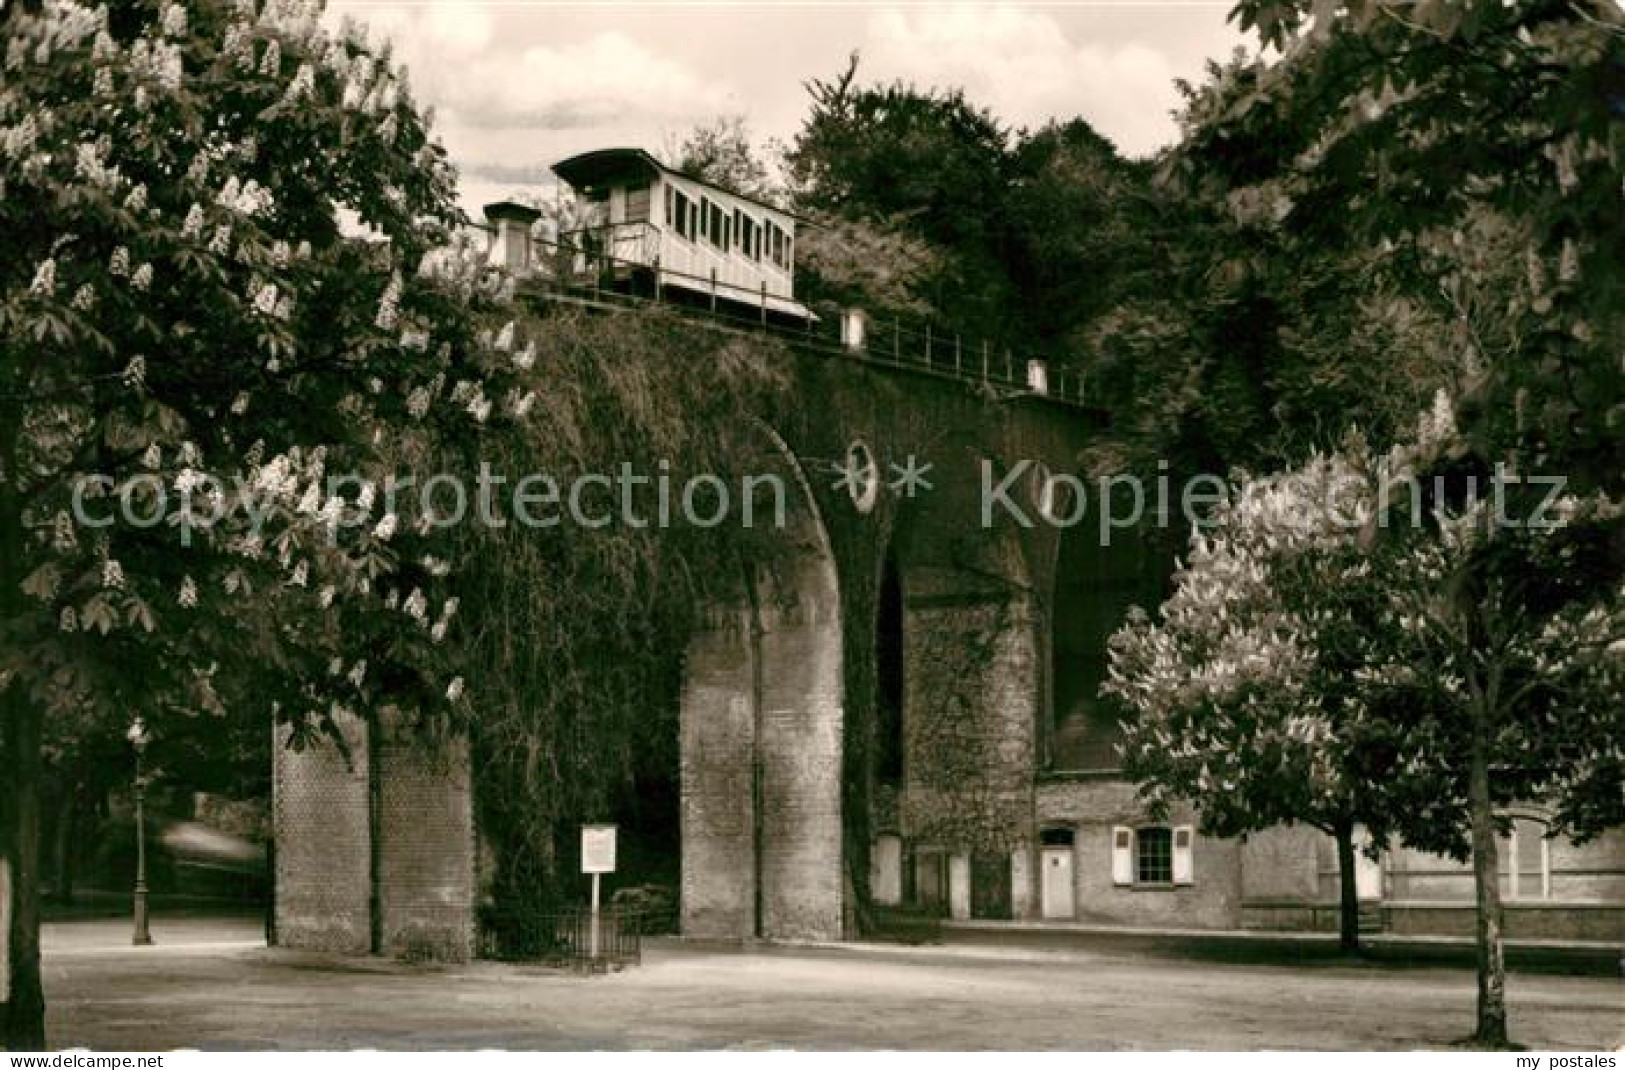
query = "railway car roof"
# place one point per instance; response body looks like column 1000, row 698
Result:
column 602, row 167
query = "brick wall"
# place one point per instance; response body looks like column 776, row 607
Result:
column 1284, row 863
column 801, row 759
column 971, row 689
column 425, row 842
column 718, row 817
column 1522, row 921
column 324, row 843
column 336, row 817
column 1590, row 872
column 783, row 677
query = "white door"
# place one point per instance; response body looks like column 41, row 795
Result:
column 1367, row 870
column 1057, row 887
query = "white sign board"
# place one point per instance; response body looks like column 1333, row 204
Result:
column 598, row 848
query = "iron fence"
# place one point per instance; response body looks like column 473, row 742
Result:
column 563, row 939
column 919, row 346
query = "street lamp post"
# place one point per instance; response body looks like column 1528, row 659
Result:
column 138, row 739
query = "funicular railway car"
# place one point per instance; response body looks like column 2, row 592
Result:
column 646, row 227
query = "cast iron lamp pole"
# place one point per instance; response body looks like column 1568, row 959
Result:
column 138, row 739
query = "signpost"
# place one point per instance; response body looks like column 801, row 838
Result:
column 597, row 858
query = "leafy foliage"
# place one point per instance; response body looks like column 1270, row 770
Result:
column 1398, row 127
column 580, row 635
column 721, row 152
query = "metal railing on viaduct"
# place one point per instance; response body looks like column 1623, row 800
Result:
column 590, row 277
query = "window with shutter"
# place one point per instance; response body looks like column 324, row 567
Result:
column 1154, row 856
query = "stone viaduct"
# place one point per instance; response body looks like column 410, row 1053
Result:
column 903, row 710
column 871, row 713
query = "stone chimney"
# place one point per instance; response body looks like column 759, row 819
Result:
column 510, row 246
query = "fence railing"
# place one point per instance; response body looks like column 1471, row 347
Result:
column 593, row 247
column 594, row 276
column 564, row 939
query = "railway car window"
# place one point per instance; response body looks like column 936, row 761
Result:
column 637, row 204
column 693, row 221
column 668, row 216
column 777, row 243
column 705, row 219
column 682, row 214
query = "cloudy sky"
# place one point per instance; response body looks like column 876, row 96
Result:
column 517, row 85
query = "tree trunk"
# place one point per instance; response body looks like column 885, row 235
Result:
column 22, row 1016
column 1348, row 926
column 1492, row 1010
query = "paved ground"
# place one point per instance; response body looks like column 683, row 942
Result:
column 208, row 984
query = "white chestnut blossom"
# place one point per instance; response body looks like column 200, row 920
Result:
column 44, row 284
column 303, row 84
column 174, row 21
column 389, row 305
